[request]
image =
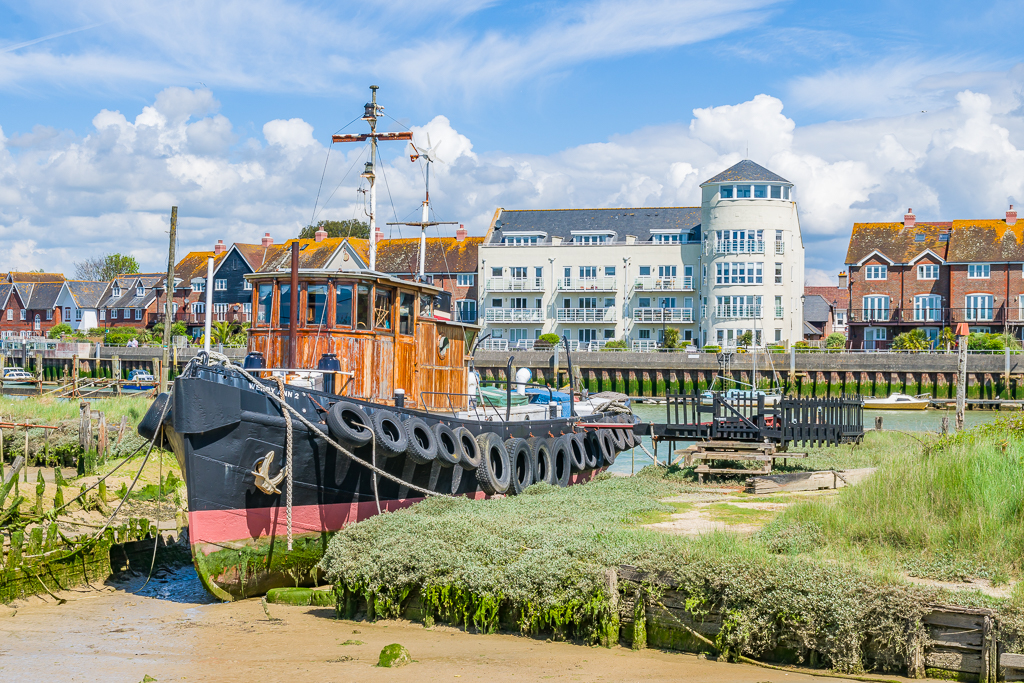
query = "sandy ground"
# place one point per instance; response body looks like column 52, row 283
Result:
column 175, row 634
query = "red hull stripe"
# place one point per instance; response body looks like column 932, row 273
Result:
column 224, row 526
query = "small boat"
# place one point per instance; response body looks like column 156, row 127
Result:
column 898, row 401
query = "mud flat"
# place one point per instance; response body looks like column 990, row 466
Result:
column 176, row 634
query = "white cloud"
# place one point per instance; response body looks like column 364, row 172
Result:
column 64, row 197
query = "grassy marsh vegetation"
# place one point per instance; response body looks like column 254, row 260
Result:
column 828, row 570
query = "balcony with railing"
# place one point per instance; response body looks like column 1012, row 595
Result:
column 594, row 284
column 662, row 315
column 779, row 312
column 514, row 315
column 586, row 315
column 515, row 284
column 739, row 246
column 937, row 317
column 738, row 311
column 650, row 283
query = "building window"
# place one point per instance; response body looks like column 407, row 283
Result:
column 49, row 314
column 588, row 272
column 876, row 308
column 979, row 307
column 645, row 271
column 197, row 286
column 113, row 314
column 609, row 334
column 221, row 310
column 140, row 291
column 778, row 273
column 247, row 285
column 495, row 303
column 725, row 192
column 103, row 314
column 776, row 191
column 67, row 314
column 495, row 272
column 199, row 308
column 10, row 314
column 115, row 291
column 928, row 272
column 779, row 310
column 743, row 191
column 646, row 334
column 465, row 279
column 760, row 192
column 785, row 193
column 928, row 307
column 466, row 309
column 220, row 285
column 591, row 239
column 738, row 273
column 126, row 314
column 609, row 271
column 23, row 313
column 78, row 314
column 875, row 272
column 778, row 334
column 138, row 314
column 520, row 239
column 979, row 271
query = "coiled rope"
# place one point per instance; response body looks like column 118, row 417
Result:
column 258, row 384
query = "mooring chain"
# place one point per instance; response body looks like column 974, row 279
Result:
column 258, row 384
column 287, row 458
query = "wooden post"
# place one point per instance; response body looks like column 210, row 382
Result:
column 115, row 372
column 28, row 460
column 39, row 371
column 945, row 425
column 102, row 448
column 2, row 359
column 961, row 379
column 46, row 446
column 168, row 301
column 878, row 423
column 122, row 428
column 74, row 373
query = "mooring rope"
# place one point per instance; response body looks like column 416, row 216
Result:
column 287, row 458
column 258, row 384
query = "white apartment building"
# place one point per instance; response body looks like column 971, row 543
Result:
column 596, row 275
column 752, row 278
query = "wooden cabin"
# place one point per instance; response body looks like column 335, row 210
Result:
column 383, row 330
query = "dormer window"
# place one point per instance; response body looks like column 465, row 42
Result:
column 115, row 291
column 199, row 285
column 592, row 237
column 140, row 291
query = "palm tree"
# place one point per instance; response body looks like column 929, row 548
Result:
column 221, row 333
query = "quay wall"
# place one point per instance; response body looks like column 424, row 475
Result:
column 820, row 375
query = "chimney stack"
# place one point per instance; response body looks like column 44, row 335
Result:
column 219, row 248
column 1011, row 216
column 378, row 235
column 842, row 280
column 320, row 235
column 462, row 233
column 909, row 219
column 268, row 241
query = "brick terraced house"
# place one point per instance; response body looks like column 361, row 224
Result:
column 927, row 276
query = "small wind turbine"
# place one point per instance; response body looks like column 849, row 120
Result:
column 429, row 153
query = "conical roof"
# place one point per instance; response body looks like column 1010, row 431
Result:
column 746, row 171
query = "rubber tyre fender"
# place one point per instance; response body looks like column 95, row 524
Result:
column 619, row 437
column 520, row 458
column 630, row 437
column 449, row 450
column 543, row 463
column 576, row 444
column 494, row 473
column 422, row 446
column 343, row 422
column 561, row 460
column 389, row 432
column 610, row 446
column 594, row 449
column 149, row 425
column 470, row 457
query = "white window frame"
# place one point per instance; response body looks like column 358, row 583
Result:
column 220, row 285
column 876, row 272
column 113, row 314
column 103, row 315
column 928, row 271
column 140, row 290
column 876, row 307
column 979, row 271
column 465, row 304
column 465, row 279
column 138, row 314
column 979, row 306
column 927, row 308
column 23, row 314
column 126, row 313
column 78, row 314
column 247, row 285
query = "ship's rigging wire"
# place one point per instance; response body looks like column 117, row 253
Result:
column 392, row 200
column 358, row 158
column 324, row 172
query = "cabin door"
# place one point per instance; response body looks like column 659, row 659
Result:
column 405, row 349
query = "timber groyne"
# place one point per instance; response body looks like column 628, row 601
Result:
column 817, row 374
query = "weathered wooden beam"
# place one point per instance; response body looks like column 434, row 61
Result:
column 808, row 481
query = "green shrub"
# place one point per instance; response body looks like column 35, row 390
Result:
column 550, row 338
column 914, row 340
column 57, row 330
column 745, row 339
column 712, row 348
column 616, row 344
column 671, row 339
column 119, row 336
column 980, row 341
column 836, row 340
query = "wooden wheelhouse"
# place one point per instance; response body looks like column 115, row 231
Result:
column 388, row 334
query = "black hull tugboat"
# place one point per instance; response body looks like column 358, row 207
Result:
column 356, row 398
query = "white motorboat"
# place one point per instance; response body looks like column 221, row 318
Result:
column 898, row 401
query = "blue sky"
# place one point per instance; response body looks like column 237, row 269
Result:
column 869, row 107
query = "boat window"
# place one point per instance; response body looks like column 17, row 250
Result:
column 426, row 306
column 316, row 304
column 343, row 305
column 363, row 307
column 285, row 305
column 264, row 302
column 406, row 302
column 382, row 309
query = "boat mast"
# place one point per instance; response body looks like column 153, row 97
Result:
column 370, row 111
